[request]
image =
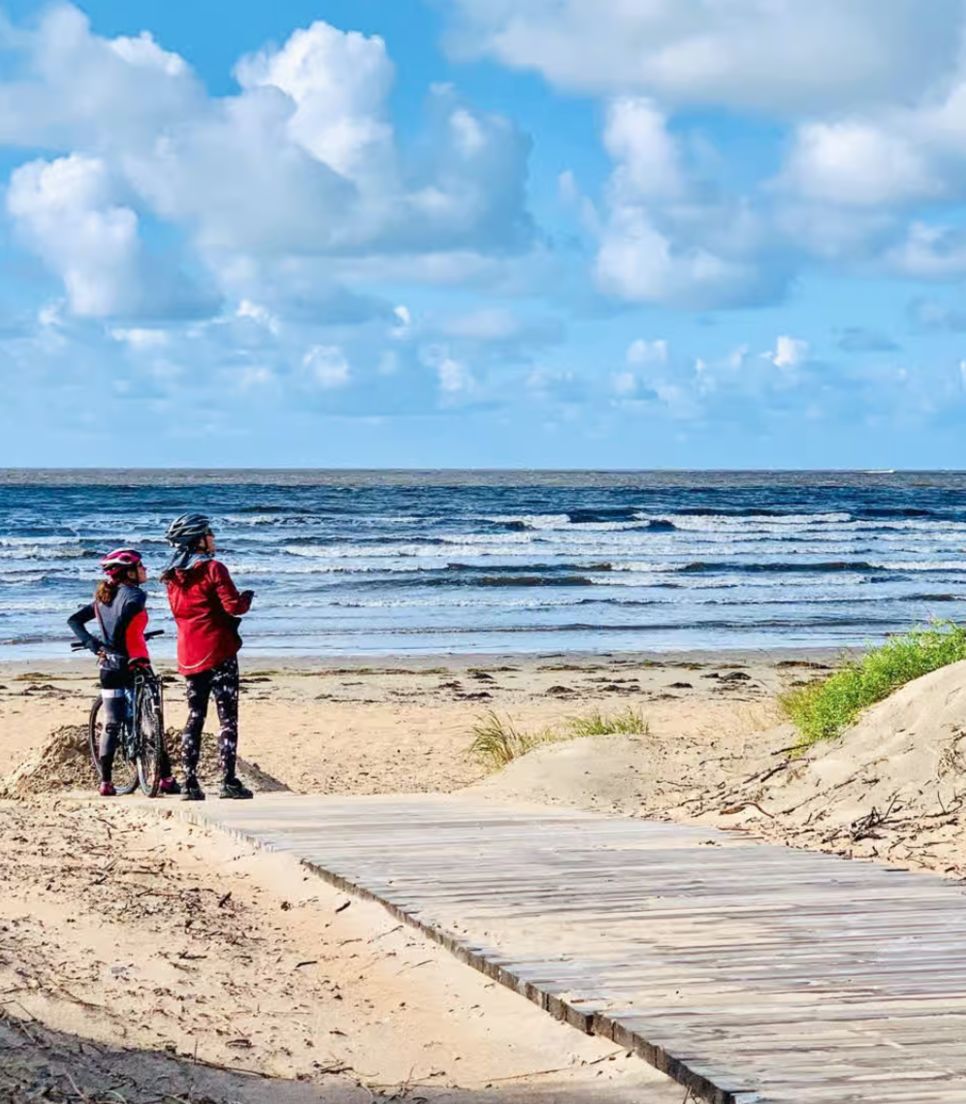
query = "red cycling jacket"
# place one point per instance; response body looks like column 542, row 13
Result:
column 205, row 603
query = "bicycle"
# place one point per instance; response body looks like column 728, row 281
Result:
column 141, row 751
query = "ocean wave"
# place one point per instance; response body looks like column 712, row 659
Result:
column 523, row 522
column 785, row 516
column 604, row 514
column 34, row 551
column 823, row 567
column 533, row 580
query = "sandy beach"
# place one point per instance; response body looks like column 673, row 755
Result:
column 406, row 725
column 182, row 947
column 141, row 949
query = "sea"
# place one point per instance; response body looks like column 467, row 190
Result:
column 369, row 563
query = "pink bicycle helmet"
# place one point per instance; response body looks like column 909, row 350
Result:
column 121, row 559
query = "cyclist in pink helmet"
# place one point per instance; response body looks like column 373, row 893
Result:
column 119, row 607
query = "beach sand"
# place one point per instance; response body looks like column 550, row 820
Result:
column 406, row 725
column 133, row 930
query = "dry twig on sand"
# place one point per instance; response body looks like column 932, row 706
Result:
column 865, row 827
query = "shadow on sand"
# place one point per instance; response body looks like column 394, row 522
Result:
column 37, row 1063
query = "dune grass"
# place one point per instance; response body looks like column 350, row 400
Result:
column 823, row 710
column 628, row 721
column 497, row 741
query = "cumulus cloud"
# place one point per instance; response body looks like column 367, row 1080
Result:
column 664, row 237
column 870, row 170
column 789, row 352
column 855, row 163
column 642, row 351
column 70, row 213
column 139, row 338
column 338, row 83
column 765, row 55
column 647, row 157
column 302, row 162
column 326, row 367
column 876, row 130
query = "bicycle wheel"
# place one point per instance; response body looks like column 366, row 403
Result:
column 125, row 769
column 94, row 736
column 149, row 725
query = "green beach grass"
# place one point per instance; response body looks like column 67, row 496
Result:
column 497, row 741
column 825, row 709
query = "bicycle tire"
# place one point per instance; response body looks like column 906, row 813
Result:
column 94, row 737
column 125, row 772
column 149, row 722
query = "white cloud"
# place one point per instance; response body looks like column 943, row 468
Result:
column 66, row 211
column 254, row 376
column 338, row 82
column 260, row 315
column 929, row 252
column 789, row 352
column 664, row 238
column 139, row 338
column 69, row 212
column 647, row 157
column 454, row 376
column 854, row 163
column 326, row 367
column 639, row 262
column 144, row 53
column 51, row 315
column 624, row 383
column 773, row 56
column 302, row 163
column 641, row 351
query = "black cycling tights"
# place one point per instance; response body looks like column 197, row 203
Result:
column 222, row 682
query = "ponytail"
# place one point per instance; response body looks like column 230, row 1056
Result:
column 107, row 588
column 106, row 591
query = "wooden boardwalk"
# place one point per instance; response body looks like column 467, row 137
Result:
column 748, row 972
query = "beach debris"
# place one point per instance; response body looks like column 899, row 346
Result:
column 865, row 827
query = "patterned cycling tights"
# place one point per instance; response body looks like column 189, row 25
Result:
column 222, row 682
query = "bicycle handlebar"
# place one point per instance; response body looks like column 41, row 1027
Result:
column 77, row 646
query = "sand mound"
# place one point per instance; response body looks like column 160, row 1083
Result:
column 63, row 764
column 646, row 775
column 907, row 754
column 893, row 787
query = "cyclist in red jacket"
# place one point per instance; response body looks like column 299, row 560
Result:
column 121, row 614
column 206, row 608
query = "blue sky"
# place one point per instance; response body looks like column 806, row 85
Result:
column 539, row 233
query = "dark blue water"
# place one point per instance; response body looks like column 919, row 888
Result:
column 402, row 562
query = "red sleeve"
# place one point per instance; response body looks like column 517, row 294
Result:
column 134, row 643
column 231, row 601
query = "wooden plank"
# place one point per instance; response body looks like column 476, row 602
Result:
column 753, row 974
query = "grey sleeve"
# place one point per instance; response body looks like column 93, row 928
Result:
column 78, row 623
